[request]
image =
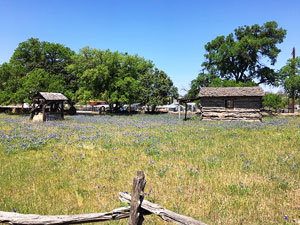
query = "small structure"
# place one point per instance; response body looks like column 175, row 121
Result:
column 231, row 103
column 48, row 106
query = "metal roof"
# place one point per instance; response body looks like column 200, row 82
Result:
column 231, row 92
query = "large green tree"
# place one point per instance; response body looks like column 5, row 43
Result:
column 36, row 66
column 34, row 54
column 10, row 83
column 290, row 77
column 157, row 88
column 118, row 78
column 243, row 55
column 53, row 58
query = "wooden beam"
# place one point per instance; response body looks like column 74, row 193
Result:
column 163, row 213
column 32, row 219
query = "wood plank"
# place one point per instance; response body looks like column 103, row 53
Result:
column 163, row 213
column 32, row 219
column 234, row 115
column 228, row 109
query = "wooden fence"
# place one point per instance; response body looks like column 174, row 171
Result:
column 135, row 212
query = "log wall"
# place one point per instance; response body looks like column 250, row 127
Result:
column 245, row 108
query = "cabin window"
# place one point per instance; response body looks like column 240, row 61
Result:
column 229, row 103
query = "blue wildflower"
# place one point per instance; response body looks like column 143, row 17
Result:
column 286, row 218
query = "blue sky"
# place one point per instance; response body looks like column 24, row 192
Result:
column 171, row 33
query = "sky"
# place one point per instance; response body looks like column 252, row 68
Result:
column 171, row 33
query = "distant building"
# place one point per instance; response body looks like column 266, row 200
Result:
column 231, row 103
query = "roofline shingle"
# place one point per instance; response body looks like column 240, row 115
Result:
column 231, row 92
column 53, row 96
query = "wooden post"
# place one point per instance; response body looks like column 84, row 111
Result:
column 44, row 112
column 293, row 97
column 32, row 112
column 185, row 111
column 139, row 182
column 179, row 111
column 62, row 110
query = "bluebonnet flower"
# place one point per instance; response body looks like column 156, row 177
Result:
column 286, row 218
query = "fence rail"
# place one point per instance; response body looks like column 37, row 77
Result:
column 135, row 212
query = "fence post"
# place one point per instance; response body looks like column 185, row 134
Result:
column 139, row 182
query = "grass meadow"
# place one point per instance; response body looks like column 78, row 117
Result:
column 216, row 172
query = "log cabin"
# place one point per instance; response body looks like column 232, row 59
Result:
column 231, row 103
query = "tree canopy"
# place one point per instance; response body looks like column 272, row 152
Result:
column 92, row 74
column 211, row 80
column 120, row 78
column 274, row 101
column 243, row 55
column 241, row 59
column 290, row 77
column 156, row 88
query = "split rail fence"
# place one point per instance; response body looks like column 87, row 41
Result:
column 135, row 212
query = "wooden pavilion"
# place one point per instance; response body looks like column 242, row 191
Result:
column 48, row 106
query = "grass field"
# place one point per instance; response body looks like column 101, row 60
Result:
column 217, row 172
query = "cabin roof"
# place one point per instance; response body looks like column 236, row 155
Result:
column 231, row 92
column 52, row 96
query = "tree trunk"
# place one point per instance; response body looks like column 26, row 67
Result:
column 293, row 105
column 153, row 108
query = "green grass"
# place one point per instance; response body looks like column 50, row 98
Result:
column 217, row 172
